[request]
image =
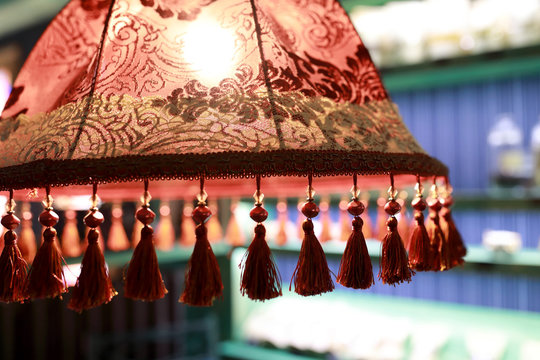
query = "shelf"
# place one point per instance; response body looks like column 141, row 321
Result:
column 178, row 255
column 243, row 351
column 463, row 70
column 478, row 258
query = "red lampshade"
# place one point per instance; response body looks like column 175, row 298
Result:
column 124, row 90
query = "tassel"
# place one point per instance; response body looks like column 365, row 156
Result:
column 235, row 236
column 203, row 277
column 13, row 267
column 187, row 236
column 455, row 241
column 215, row 231
column 260, row 279
column 136, row 234
column 70, row 239
column 27, row 242
column 440, row 259
column 118, row 239
column 165, row 232
column 94, row 286
column 311, row 275
column 281, row 237
column 46, row 277
column 419, row 246
column 143, row 278
column 325, row 221
column 394, row 264
column 355, row 269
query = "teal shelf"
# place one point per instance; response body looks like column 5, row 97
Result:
column 243, row 351
column 478, row 258
column 177, row 255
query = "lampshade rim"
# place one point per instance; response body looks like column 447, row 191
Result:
column 39, row 173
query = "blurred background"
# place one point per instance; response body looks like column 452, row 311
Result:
column 466, row 77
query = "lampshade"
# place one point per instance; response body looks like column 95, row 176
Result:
column 125, row 90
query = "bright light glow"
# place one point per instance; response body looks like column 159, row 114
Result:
column 210, row 50
column 5, row 87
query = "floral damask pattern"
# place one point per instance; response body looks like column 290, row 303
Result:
column 209, row 123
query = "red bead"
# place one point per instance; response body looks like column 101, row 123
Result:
column 310, row 209
column 49, row 234
column 145, row 215
column 93, row 219
column 447, row 201
column 356, row 208
column 10, row 221
column 48, row 218
column 201, row 214
column 258, row 214
column 10, row 237
column 419, row 204
column 434, row 204
column 392, row 207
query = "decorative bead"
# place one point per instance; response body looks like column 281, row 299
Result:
column 392, row 207
column 145, row 215
column 48, row 218
column 434, row 204
column 447, row 201
column 93, row 219
column 201, row 214
column 391, row 222
column 356, row 208
column 93, row 235
column 310, row 209
column 49, row 234
column 419, row 204
column 10, row 237
column 10, row 221
column 258, row 214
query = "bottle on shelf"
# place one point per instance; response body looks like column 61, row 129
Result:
column 507, row 159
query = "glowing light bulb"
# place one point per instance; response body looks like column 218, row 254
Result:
column 209, row 49
column 5, row 87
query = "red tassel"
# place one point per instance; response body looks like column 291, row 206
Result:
column 94, row 286
column 355, row 270
column 12, row 268
column 46, row 277
column 419, row 246
column 203, row 277
column 394, row 268
column 440, row 255
column 143, row 278
column 455, row 241
column 312, row 275
column 260, row 279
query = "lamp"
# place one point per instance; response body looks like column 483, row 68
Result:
column 119, row 91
